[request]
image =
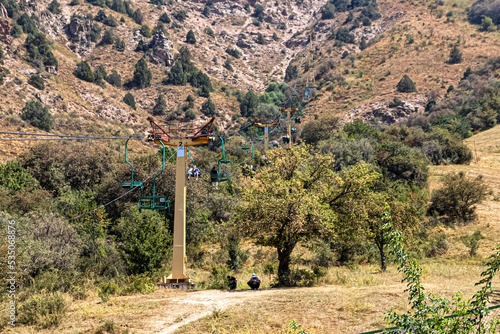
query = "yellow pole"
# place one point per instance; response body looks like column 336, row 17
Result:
column 289, row 128
column 266, row 138
column 179, row 252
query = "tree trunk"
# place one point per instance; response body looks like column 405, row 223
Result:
column 284, row 264
column 383, row 264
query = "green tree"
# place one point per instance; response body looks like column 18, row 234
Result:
column 291, row 73
column 455, row 56
column 37, row 115
column 227, row 65
column 107, row 38
column 111, row 21
column 208, row 108
column 38, row 50
column 36, row 81
column 363, row 45
column 459, row 196
column 130, row 100
column 142, row 74
column 145, row 31
column 165, row 19
column 14, row 177
column 249, row 104
column 100, row 75
column 160, row 106
column 138, row 17
column 180, row 15
column 16, row 31
column 84, row 72
column 115, row 79
column 406, row 85
column 320, row 129
column 29, row 24
column 176, row 76
column 144, row 240
column 54, row 7
column 296, row 199
column 472, row 242
column 343, row 35
column 328, row 11
column 119, row 45
column 190, row 38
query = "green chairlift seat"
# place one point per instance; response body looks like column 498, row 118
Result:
column 244, row 146
column 155, row 202
column 130, row 184
column 222, row 177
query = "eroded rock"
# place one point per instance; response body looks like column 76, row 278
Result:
column 161, row 52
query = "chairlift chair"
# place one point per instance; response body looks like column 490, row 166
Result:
column 155, row 202
column 130, row 184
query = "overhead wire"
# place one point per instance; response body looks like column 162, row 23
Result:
column 88, row 212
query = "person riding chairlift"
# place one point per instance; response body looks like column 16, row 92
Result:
column 276, row 144
column 189, row 172
column 196, row 172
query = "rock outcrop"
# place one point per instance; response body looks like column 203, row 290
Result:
column 77, row 31
column 3, row 11
column 380, row 111
column 161, row 49
column 5, row 32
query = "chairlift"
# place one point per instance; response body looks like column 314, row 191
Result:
column 155, row 202
column 130, row 184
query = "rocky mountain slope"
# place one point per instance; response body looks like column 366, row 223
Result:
column 241, row 45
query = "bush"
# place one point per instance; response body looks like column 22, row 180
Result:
column 459, row 196
column 165, row 19
column 129, row 100
column 363, row 45
column 107, row 38
column 472, row 242
column 110, row 21
column 484, row 8
column 180, row 15
column 208, row 108
column 100, row 75
column 145, row 240
column 11, row 6
column 43, row 310
column 54, row 7
column 142, row 74
column 406, row 85
column 160, row 105
column 328, row 11
column 29, row 24
column 16, row 30
column 176, row 76
column 138, row 17
column 14, row 177
column 190, row 38
column 455, row 56
column 260, row 39
column 227, row 65
column 145, row 31
column 487, row 24
column 249, row 104
column 84, row 72
column 119, row 45
column 101, row 16
column 189, row 115
column 114, row 79
column 343, row 35
column 38, row 50
column 36, row 81
column 291, row 73
column 37, row 115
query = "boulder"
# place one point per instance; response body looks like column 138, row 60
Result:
column 5, row 32
column 161, row 49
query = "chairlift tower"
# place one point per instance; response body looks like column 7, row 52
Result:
column 266, row 126
column 180, row 135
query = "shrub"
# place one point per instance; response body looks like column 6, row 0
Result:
column 129, row 100
column 142, row 74
column 291, row 73
column 208, row 108
column 14, row 177
column 84, row 72
column 107, row 38
column 487, row 24
column 180, row 15
column 54, row 7
column 260, row 39
column 114, row 79
column 145, row 31
column 119, row 45
column 110, row 21
column 406, row 85
column 189, row 115
column 459, row 196
column 16, row 30
column 36, row 81
column 29, row 24
column 43, row 310
column 160, row 106
column 455, row 56
column 472, row 242
column 249, row 104
column 37, row 115
column 363, row 45
column 100, row 75
column 165, row 19
column 38, row 50
column 227, row 65
column 100, row 16
column 396, row 102
column 138, row 17
column 210, row 32
column 328, row 11
column 11, row 6
column 343, row 35
column 190, row 38
column 233, row 52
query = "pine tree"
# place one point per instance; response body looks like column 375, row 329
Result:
column 160, row 106
column 406, row 85
column 138, row 17
column 208, row 108
column 176, row 76
column 363, row 45
column 142, row 74
column 54, row 7
column 37, row 115
column 115, row 79
column 165, row 19
column 190, row 38
column 260, row 39
column 455, row 56
column 100, row 75
column 249, row 104
column 130, row 100
column 36, row 81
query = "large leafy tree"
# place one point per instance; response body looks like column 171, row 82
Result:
column 295, row 200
